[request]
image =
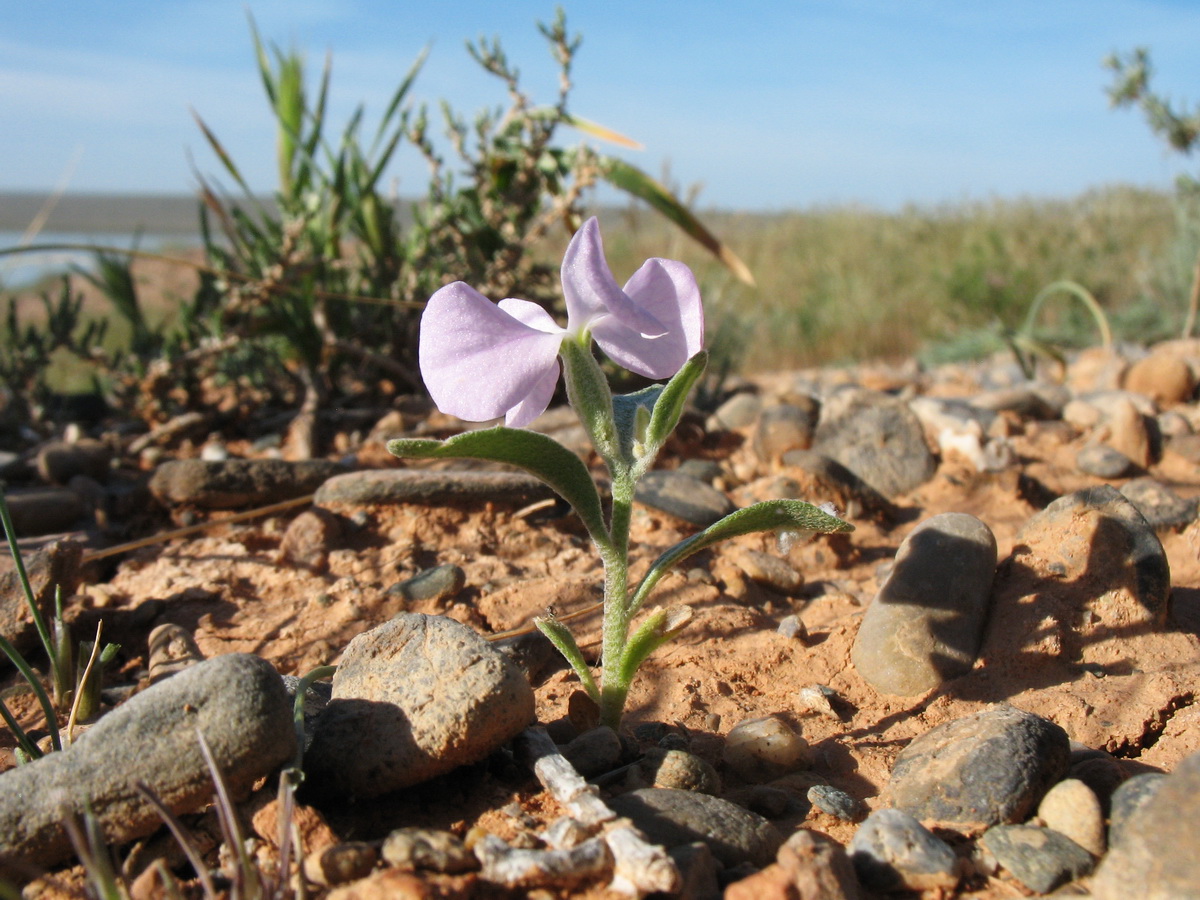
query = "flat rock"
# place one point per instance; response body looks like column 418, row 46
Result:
column 414, row 698
column 817, row 478
column 1162, row 508
column 1155, row 856
column 684, row 497
column 1127, row 799
column 989, row 768
column 1102, row 461
column 40, row 511
column 438, row 583
column 431, row 487
column 892, row 851
column 784, row 427
column 878, row 438
column 237, row 702
column 926, row 623
column 54, row 566
column 237, row 483
column 1039, row 858
column 59, row 461
column 672, row 817
column 809, row 866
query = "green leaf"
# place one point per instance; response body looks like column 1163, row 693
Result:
column 634, row 181
column 560, row 636
column 670, row 404
column 770, row 515
column 660, row 627
column 592, row 400
column 626, row 416
column 536, row 453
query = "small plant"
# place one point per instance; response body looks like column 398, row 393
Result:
column 482, row 360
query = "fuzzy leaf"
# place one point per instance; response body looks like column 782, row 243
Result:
column 536, row 453
column 770, row 515
column 560, row 636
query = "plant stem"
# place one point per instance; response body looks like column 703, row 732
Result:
column 616, row 598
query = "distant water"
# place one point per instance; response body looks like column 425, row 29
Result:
column 20, row 270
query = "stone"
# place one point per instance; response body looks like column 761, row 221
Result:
column 1162, row 508
column 679, row 769
column 409, row 849
column 237, row 702
column 878, row 438
column 673, row 818
column 340, row 864
column 59, row 461
column 892, row 851
column 431, row 487
column 815, row 477
column 1163, row 377
column 809, row 866
column 310, row 537
column 41, row 511
column 1039, row 858
column 415, row 697
column 1072, row 809
column 1028, row 402
column 1129, row 434
column 760, row 749
column 594, row 752
column 837, row 803
column 769, row 570
column 1103, row 461
column 989, row 768
column 782, row 428
column 1127, row 799
column 54, row 566
column 237, row 483
column 1099, row 771
column 697, row 872
column 739, row 411
column 684, row 497
column 439, row 583
column 926, row 623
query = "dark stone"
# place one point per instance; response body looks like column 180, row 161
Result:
column 1162, row 508
column 684, row 497
column 237, row 483
column 989, row 768
column 431, row 487
column 892, row 851
column 1039, row 858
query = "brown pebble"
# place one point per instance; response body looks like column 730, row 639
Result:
column 340, row 863
column 310, row 537
column 1128, row 433
column 1163, row 377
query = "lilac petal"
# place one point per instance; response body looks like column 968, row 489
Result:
column 591, row 291
column 535, row 402
column 478, row 361
column 666, row 289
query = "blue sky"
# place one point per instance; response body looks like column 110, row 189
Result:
column 764, row 105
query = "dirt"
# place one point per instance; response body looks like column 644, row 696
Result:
column 235, row 590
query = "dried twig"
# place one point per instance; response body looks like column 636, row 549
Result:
column 639, row 867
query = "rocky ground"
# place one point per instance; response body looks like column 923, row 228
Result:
column 1005, row 649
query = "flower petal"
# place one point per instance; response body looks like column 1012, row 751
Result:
column 536, row 401
column 667, row 290
column 478, row 360
column 591, row 291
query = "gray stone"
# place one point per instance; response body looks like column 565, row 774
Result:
column 438, row 583
column 310, row 537
column 1039, row 402
column 594, row 752
column 58, row 462
column 739, row 411
column 926, row 623
column 769, row 570
column 828, row 479
column 53, row 566
column 1131, row 796
column 1103, row 461
column 237, row 702
column 1039, row 858
column 892, row 851
column 684, row 497
column 44, row 510
column 782, row 428
column 673, row 818
column 237, row 483
column 988, row 768
column 1072, row 809
column 1162, row 508
column 697, row 872
column 431, row 487
column 765, row 747
column 679, row 769
column 837, row 803
column 879, row 439
column 414, row 698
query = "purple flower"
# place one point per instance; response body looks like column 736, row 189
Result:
column 482, row 360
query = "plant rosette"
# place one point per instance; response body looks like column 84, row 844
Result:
column 482, row 360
